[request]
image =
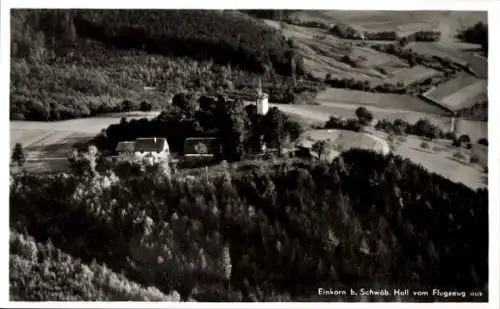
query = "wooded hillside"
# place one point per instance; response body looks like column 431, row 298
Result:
column 78, row 63
column 268, row 228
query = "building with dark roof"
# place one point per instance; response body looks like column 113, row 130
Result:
column 201, row 146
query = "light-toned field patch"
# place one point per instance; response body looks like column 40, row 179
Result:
column 378, row 100
column 322, row 53
column 47, row 144
column 462, row 91
column 411, row 75
column 435, row 49
column 465, row 97
column 321, row 113
column 345, row 140
column 447, row 88
column 479, row 65
column 375, row 58
column 443, row 163
column 439, row 159
column 403, row 22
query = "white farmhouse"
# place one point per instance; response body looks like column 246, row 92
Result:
column 148, row 150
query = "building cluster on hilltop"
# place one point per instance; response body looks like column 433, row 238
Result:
column 155, row 149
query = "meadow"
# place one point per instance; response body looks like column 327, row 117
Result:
column 439, row 159
column 47, row 144
column 460, row 92
column 403, row 22
column 378, row 100
column 411, row 75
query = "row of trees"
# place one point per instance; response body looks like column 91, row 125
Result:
column 267, row 229
column 347, row 32
column 423, row 128
column 414, row 88
column 414, row 58
column 421, row 36
column 238, row 127
column 363, row 117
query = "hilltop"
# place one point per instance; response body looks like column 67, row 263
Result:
column 78, row 63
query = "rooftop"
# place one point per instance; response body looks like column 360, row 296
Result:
column 149, row 144
column 201, row 146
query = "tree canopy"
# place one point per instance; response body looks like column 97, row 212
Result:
column 287, row 226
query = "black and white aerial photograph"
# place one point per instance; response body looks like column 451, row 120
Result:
column 174, row 155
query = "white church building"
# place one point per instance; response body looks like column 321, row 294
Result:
column 262, row 101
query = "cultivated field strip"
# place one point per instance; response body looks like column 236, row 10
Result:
column 411, row 75
column 378, row 100
column 433, row 49
column 479, row 65
column 461, row 81
column 376, row 58
column 466, row 96
column 348, row 139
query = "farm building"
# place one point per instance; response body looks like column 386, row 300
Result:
column 201, row 147
column 148, row 150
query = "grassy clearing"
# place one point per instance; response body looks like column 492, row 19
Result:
column 380, row 100
column 460, row 92
column 411, row 75
column 46, row 144
column 441, row 162
column 467, row 96
column 322, row 53
column 328, row 107
column 374, row 20
column 461, row 81
column 438, row 158
column 435, row 49
column 346, row 140
column 401, row 21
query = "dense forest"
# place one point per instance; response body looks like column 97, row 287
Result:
column 78, row 63
column 251, row 231
column 42, row 272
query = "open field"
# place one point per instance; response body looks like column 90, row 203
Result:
column 322, row 53
column 411, row 75
column 445, row 89
column 47, row 144
column 467, row 96
column 439, row 159
column 404, row 22
column 322, row 112
column 479, row 65
column 464, row 55
column 378, row 100
column 434, row 49
column 461, row 92
column 346, row 140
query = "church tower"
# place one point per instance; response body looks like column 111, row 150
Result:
column 262, row 100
